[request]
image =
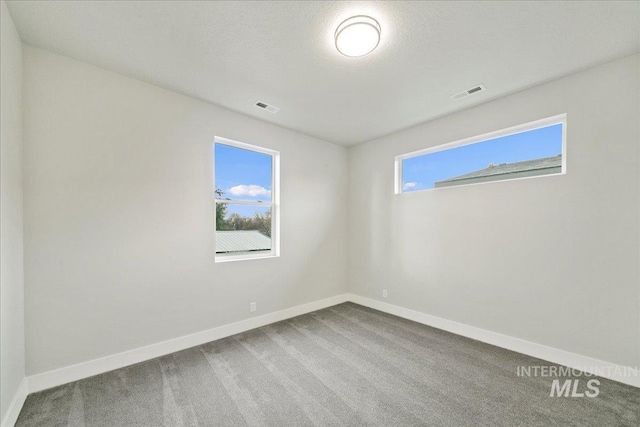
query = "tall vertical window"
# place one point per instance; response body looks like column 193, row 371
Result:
column 524, row 151
column 246, row 197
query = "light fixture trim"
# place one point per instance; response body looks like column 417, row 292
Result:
column 358, row 20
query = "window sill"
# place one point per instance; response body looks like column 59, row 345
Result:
column 244, row 257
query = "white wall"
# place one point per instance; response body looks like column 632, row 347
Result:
column 119, row 249
column 119, row 219
column 552, row 260
column 11, row 250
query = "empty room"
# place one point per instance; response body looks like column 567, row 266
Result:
column 320, row 213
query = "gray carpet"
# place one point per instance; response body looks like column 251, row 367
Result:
column 343, row 366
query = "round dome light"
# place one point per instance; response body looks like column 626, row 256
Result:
column 357, row 36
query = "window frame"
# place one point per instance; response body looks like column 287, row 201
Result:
column 536, row 124
column 274, row 204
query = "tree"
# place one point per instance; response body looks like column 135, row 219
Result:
column 259, row 221
column 238, row 222
column 221, row 211
column 262, row 222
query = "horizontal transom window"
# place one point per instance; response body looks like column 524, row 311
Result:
column 530, row 150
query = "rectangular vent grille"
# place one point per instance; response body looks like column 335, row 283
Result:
column 265, row 106
column 471, row 91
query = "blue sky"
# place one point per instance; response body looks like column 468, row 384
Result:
column 419, row 173
column 242, row 175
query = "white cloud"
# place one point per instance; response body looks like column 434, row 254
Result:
column 249, row 190
column 408, row 185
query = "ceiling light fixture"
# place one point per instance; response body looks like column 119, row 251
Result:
column 357, row 36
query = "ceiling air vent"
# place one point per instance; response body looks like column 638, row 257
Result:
column 475, row 89
column 265, row 106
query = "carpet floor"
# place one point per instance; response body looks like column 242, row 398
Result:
column 346, row 365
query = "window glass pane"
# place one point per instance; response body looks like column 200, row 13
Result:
column 242, row 228
column 242, row 174
column 530, row 153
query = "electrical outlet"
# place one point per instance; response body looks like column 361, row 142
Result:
column 384, row 293
column 252, row 307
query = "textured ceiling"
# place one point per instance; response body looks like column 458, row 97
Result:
column 234, row 53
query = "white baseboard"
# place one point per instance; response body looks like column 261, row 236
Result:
column 15, row 407
column 72, row 373
column 576, row 361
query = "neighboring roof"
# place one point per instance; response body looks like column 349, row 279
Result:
column 241, row 241
column 509, row 168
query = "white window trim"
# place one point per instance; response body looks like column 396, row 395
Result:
column 274, row 204
column 537, row 124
